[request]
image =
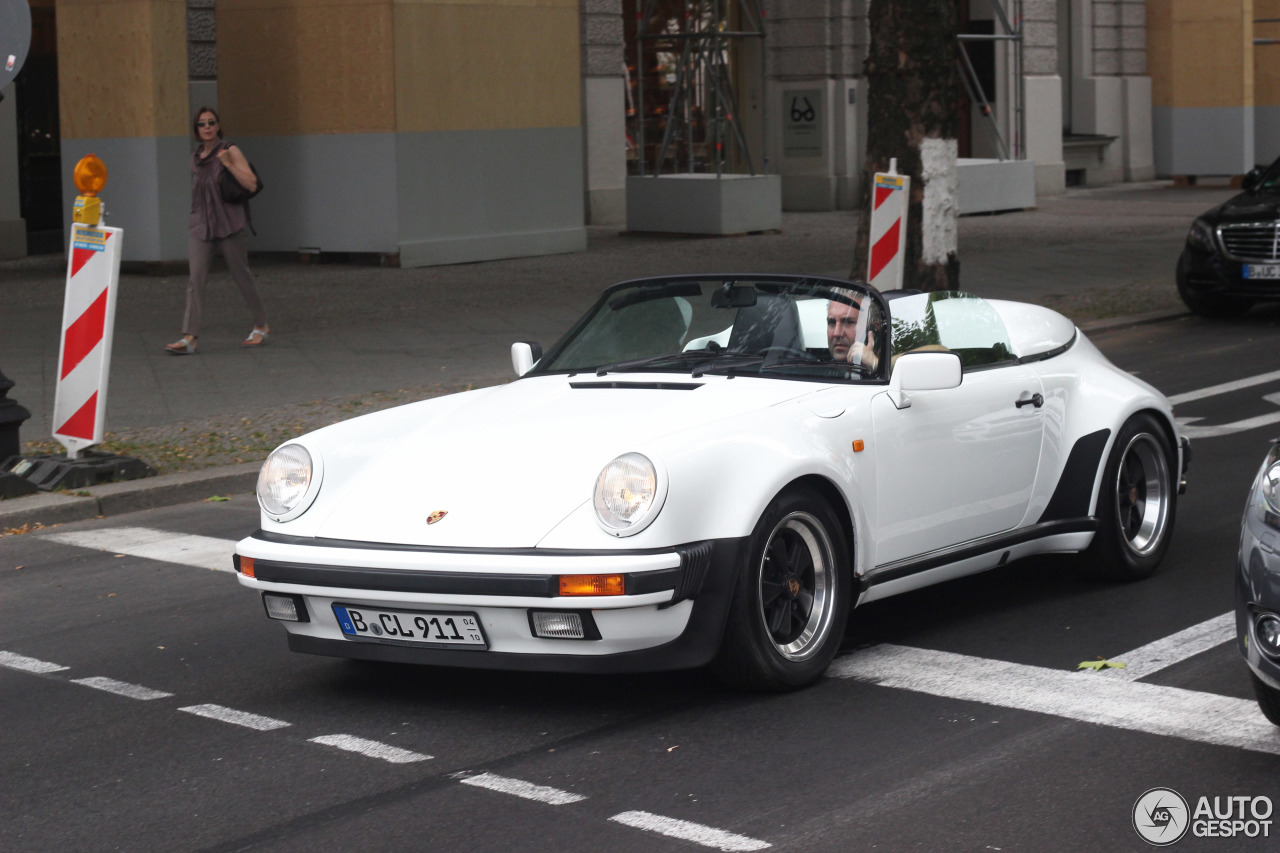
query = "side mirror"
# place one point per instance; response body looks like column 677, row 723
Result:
column 1251, row 179
column 524, row 355
column 923, row 371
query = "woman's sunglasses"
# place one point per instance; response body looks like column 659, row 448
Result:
column 206, row 124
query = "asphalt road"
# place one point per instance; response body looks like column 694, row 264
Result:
column 1006, row 748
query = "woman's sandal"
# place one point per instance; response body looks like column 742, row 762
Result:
column 256, row 339
column 181, row 346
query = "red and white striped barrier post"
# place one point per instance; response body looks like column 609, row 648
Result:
column 888, row 228
column 88, row 318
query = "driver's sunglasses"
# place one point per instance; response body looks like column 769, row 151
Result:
column 206, row 124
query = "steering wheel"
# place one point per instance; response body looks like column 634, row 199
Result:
column 793, row 352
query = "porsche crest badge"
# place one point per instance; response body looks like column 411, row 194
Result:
column 436, row 516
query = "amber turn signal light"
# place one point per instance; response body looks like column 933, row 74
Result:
column 246, row 566
column 593, row 584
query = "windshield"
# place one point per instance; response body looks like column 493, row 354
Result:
column 776, row 326
column 1270, row 180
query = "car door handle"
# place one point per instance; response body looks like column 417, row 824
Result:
column 1036, row 400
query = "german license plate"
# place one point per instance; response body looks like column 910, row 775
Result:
column 410, row 627
column 1262, row 270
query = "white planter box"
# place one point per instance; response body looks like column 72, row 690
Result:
column 704, row 204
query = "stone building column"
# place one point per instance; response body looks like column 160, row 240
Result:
column 1111, row 95
column 122, row 82
column 604, row 95
column 202, row 55
column 1042, row 93
column 817, row 100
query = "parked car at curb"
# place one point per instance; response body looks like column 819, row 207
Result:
column 1232, row 255
column 697, row 473
column 1258, row 585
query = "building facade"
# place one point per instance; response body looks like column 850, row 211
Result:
column 437, row 131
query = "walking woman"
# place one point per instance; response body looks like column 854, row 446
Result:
column 216, row 224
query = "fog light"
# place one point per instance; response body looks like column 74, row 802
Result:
column 1266, row 626
column 557, row 625
column 288, row 608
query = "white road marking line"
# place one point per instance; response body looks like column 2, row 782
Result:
column 371, row 748
column 1172, row 711
column 202, row 552
column 26, row 664
column 697, row 833
column 520, row 788
column 1225, row 387
column 1169, row 650
column 121, row 688
column 1191, row 430
column 238, row 718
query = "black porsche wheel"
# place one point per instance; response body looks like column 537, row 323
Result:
column 1136, row 504
column 791, row 602
column 1268, row 699
column 1203, row 304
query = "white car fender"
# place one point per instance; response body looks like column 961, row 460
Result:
column 719, row 486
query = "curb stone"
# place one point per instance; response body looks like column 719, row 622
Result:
column 129, row 496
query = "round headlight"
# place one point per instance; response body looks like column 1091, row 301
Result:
column 1270, row 487
column 1266, row 626
column 284, row 481
column 628, row 494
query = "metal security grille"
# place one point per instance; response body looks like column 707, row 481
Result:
column 1253, row 242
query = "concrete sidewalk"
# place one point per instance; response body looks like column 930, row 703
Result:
column 340, row 330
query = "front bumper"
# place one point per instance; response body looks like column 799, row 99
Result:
column 1212, row 274
column 1257, row 590
column 672, row 616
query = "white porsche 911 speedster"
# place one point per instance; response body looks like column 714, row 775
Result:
column 714, row 469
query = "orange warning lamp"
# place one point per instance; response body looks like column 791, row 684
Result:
column 90, row 176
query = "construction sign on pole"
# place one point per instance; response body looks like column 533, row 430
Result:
column 888, row 228
column 88, row 317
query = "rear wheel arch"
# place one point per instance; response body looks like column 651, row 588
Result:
column 1136, row 500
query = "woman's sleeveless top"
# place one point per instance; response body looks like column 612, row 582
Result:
column 211, row 217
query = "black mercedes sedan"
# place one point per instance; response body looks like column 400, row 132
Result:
column 1232, row 256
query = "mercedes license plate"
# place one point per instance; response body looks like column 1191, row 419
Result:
column 1262, row 270
column 410, row 627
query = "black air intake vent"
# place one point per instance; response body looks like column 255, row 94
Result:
column 646, row 386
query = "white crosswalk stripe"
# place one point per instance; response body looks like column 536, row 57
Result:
column 236, row 718
column 707, row 836
column 1132, row 705
column 121, row 688
column 202, row 552
column 520, row 788
column 371, row 748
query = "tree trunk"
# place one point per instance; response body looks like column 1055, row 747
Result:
column 912, row 85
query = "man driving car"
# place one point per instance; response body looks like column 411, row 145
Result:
column 842, row 333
